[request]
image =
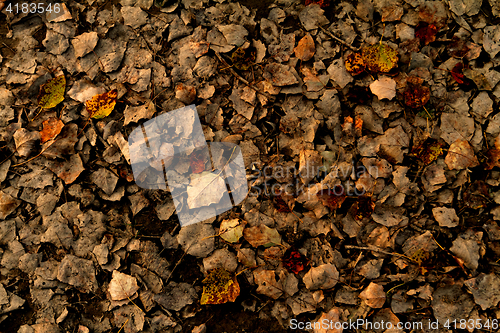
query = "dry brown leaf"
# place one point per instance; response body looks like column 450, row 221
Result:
column 384, row 87
column 122, row 286
column 51, row 128
column 373, row 295
column 305, row 48
column 460, row 156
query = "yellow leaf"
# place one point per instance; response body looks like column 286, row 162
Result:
column 220, row 287
column 231, row 230
column 101, row 105
column 379, row 58
column 52, row 92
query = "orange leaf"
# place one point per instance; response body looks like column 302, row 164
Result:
column 354, row 63
column 220, row 287
column 101, row 105
column 305, row 48
column 426, row 32
column 51, row 128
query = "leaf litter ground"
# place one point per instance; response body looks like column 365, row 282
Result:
column 291, row 85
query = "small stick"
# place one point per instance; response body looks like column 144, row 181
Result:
column 338, row 39
column 369, row 248
column 269, row 97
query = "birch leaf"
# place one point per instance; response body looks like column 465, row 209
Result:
column 231, row 230
column 52, row 92
column 101, row 105
column 205, row 189
column 220, row 287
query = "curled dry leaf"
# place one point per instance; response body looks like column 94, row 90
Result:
column 231, row 230
column 122, row 286
column 220, row 287
column 101, row 105
column 305, row 48
column 51, row 128
column 460, row 156
column 52, row 92
column 25, row 141
column 379, row 58
column 373, row 295
column 384, row 87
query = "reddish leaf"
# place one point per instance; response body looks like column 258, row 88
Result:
column 321, row 3
column 51, row 128
column 294, row 261
column 362, row 208
column 458, row 75
column 426, row 32
column 416, row 95
column 197, row 161
column 332, row 198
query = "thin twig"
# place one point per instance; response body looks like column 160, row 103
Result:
column 369, row 248
column 339, row 40
column 269, row 97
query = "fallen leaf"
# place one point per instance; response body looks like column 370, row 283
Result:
column 122, row 286
column 231, row 230
column 206, row 188
column 243, row 59
column 458, row 74
column 67, row 170
column 428, row 151
column 294, row 261
column 332, row 198
column 460, row 156
column 25, row 141
column 52, row 92
column 476, row 196
column 321, row 3
column 267, row 284
column 416, row 95
column 220, row 287
column 101, row 105
column 486, row 289
column 262, row 235
column 51, row 128
column 493, row 159
column 384, row 87
column 354, row 63
column 379, row 58
column 197, row 160
column 8, row 204
column 426, row 32
column 363, row 207
column 446, row 217
column 373, row 295
column 305, row 48
column 321, row 277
